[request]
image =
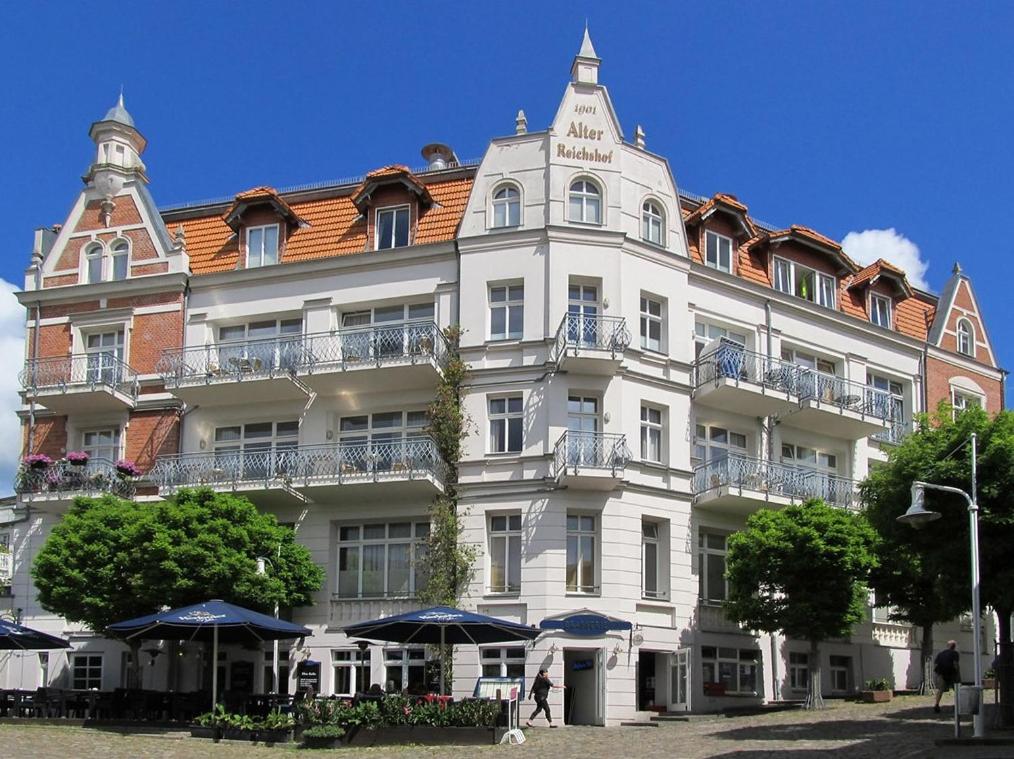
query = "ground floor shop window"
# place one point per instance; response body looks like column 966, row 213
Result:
column 405, row 671
column 351, row 671
column 283, row 672
column 841, row 674
column 87, row 671
column 729, row 670
column 503, row 662
column 799, row 670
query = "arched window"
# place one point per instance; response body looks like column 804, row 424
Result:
column 506, row 206
column 121, row 257
column 966, row 338
column 93, row 262
column 652, row 222
column 585, row 202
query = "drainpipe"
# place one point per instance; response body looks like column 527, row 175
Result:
column 770, row 428
column 923, row 370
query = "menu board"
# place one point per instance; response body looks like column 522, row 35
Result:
column 308, row 676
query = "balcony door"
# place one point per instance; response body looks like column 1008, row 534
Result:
column 105, row 356
column 583, row 425
column 583, row 311
column 102, row 444
column 387, row 332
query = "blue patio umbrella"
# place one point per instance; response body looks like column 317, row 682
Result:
column 215, row 621
column 19, row 638
column 442, row 625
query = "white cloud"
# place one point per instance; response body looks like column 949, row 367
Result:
column 867, row 246
column 12, row 350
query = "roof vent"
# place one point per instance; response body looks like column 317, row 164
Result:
column 439, row 156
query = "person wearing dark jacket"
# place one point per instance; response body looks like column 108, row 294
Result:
column 540, row 692
column 945, row 670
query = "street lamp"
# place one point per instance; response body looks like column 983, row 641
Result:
column 262, row 570
column 363, row 646
column 918, row 517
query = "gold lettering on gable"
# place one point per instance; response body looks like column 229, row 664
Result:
column 583, row 130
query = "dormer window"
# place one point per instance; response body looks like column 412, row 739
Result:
column 121, row 258
column 966, row 338
column 392, row 227
column 93, row 262
column 880, row 311
column 652, row 222
column 261, row 246
column 585, row 202
column 718, row 251
column 805, row 283
column 506, row 206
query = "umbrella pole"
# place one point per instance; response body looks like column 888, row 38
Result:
column 214, row 666
column 442, row 663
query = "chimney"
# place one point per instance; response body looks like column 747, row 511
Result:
column 439, row 156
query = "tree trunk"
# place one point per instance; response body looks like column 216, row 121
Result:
column 814, row 697
column 925, row 659
column 1005, row 670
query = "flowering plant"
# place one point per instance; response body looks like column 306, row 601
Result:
column 79, row 458
column 128, row 468
column 38, row 461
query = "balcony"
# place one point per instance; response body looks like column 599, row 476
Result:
column 892, row 434
column 63, row 481
column 711, row 617
column 740, row 485
column 839, row 407
column 410, row 467
column 348, row 611
column 732, row 378
column 591, row 344
column 288, row 367
column 590, row 460
column 86, row 382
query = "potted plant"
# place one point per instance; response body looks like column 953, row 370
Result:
column 78, row 458
column 323, row 736
column 127, row 468
column 276, row 727
column 989, row 679
column 38, row 461
column 876, row 690
column 209, row 724
column 239, row 727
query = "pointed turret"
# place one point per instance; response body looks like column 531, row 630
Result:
column 586, row 63
column 119, row 146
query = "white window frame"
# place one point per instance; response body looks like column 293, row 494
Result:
column 588, row 200
column 717, row 262
column 579, row 531
column 965, row 338
column 705, row 550
column 653, row 222
column 412, row 425
column 897, row 391
column 652, row 433
column 744, row 658
column 407, row 208
column 799, row 671
column 784, row 267
column 513, row 307
column 653, row 541
column 96, row 450
column 962, row 400
column 706, row 332
column 355, row 661
column 509, row 661
column 91, row 666
column 120, row 248
column 881, row 320
column 822, row 460
column 508, row 203
column 713, row 442
column 505, row 531
column 501, row 423
column 416, row 540
column 276, row 441
column 94, row 251
column 406, row 657
column 650, row 318
column 841, row 668
column 261, row 257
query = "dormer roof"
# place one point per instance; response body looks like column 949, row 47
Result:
column 724, row 203
column 815, row 240
column 881, row 269
column 256, row 197
column 393, row 174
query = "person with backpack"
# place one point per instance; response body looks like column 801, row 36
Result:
column 946, row 671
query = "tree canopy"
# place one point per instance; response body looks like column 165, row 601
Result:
column 110, row 559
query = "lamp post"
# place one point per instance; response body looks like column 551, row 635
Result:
column 918, row 517
column 362, row 645
column 261, row 569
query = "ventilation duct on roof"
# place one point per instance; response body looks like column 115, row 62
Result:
column 439, row 156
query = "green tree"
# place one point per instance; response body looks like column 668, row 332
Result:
column 936, row 559
column 801, row 571
column 109, row 559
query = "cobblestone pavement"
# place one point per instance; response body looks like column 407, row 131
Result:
column 902, row 729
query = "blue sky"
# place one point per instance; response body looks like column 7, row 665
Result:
column 843, row 116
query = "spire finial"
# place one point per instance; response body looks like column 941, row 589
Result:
column 639, row 137
column 587, row 48
column 120, row 101
column 521, row 123
column 956, row 269
column 586, row 63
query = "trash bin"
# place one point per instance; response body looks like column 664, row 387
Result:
column 968, row 699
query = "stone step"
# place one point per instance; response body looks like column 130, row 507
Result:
column 638, row 724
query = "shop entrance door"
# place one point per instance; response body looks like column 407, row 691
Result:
column 679, row 681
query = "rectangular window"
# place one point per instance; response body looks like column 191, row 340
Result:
column 503, row 662
column 712, row 443
column 651, row 561
column 506, row 312
column 799, row 670
column 651, row 324
column 256, row 450
column 841, row 674
column 506, row 416
column 783, row 275
column 120, row 265
column 705, row 333
column 803, row 282
column 43, row 669
column 711, row 572
column 651, row 434
column 381, row 560
column 718, row 251
column 86, row 671
column 392, row 227
column 261, row 246
column 351, row 671
column 962, row 401
column 581, row 537
column 405, row 671
column 101, row 444
column 893, row 395
column 729, row 670
column 283, row 672
column 505, row 553
column 880, row 311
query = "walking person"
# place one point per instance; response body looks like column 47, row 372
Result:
column 946, row 671
column 540, row 692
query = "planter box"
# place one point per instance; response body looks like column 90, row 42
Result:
column 198, row 731
column 309, row 742
column 989, row 683
column 425, row 735
column 275, row 736
column 875, row 696
column 239, row 734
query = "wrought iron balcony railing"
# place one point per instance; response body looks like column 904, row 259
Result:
column 91, row 370
column 304, row 354
column 773, row 478
column 894, row 433
column 576, row 451
column 97, row 476
column 304, row 465
column 730, row 361
column 579, row 332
